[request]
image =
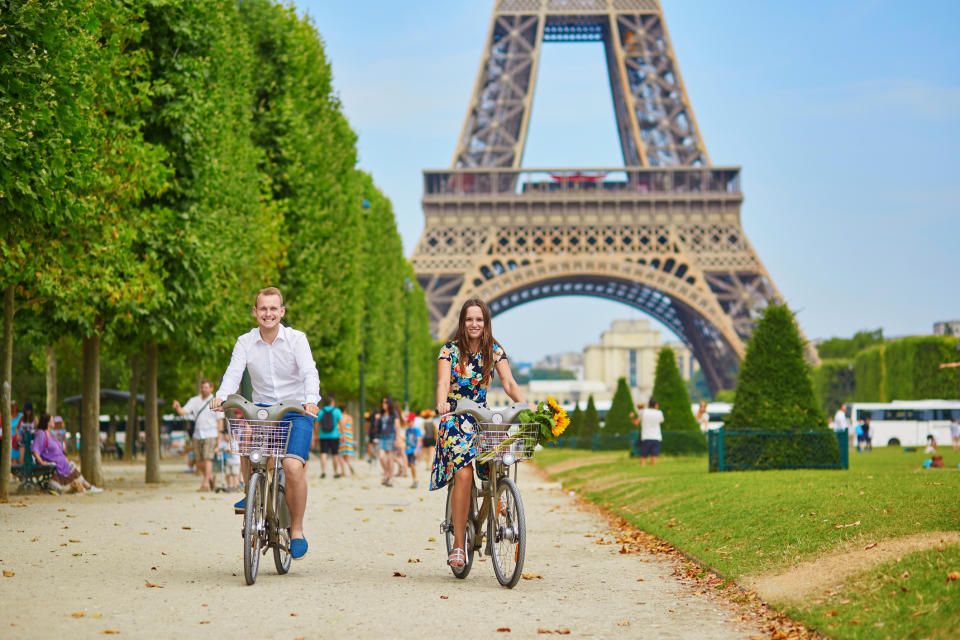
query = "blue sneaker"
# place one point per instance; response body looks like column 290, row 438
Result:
column 241, row 506
column 298, row 548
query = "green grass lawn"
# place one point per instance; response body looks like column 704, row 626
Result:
column 747, row 523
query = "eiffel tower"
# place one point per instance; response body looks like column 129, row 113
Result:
column 661, row 234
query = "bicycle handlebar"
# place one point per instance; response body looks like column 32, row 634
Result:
column 253, row 412
column 483, row 414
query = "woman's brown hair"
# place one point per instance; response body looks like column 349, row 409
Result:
column 486, row 338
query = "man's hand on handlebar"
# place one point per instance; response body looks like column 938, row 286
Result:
column 312, row 409
column 215, row 404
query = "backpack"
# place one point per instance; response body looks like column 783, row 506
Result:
column 326, row 421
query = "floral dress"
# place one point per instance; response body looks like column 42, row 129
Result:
column 455, row 449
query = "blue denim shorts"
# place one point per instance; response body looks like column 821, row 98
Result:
column 301, row 433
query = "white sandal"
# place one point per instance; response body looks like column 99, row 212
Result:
column 457, row 558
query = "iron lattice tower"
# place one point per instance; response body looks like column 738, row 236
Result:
column 661, row 234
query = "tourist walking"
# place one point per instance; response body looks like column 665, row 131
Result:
column 465, row 366
column 373, row 436
column 650, row 435
column 388, row 424
column 328, row 434
column 206, row 431
column 347, row 450
column 955, row 433
column 281, row 366
column 703, row 418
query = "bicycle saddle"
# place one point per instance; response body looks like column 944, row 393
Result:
column 483, row 414
column 253, row 412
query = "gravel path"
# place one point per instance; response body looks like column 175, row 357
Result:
column 83, row 566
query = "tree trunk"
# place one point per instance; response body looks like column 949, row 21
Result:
column 6, row 382
column 51, row 381
column 90, row 464
column 132, row 436
column 150, row 413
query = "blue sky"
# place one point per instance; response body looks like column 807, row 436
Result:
column 845, row 116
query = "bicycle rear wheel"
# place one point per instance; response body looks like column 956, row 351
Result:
column 281, row 546
column 252, row 526
column 507, row 533
column 464, row 571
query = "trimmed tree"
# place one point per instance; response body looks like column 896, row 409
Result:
column 775, row 395
column 576, row 421
column 618, row 417
column 589, row 426
column 680, row 429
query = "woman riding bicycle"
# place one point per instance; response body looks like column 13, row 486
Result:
column 464, row 369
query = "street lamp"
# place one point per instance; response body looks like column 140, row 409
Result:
column 408, row 287
column 360, row 435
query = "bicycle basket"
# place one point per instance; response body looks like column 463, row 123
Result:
column 494, row 440
column 269, row 437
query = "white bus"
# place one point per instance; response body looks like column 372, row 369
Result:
column 906, row 422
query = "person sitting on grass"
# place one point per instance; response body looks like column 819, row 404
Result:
column 48, row 450
column 931, row 444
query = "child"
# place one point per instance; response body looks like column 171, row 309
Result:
column 931, row 444
column 413, row 442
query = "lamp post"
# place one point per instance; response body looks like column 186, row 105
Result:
column 407, row 288
column 360, row 434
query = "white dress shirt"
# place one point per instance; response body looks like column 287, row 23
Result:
column 840, row 421
column 650, row 421
column 284, row 370
column 198, row 410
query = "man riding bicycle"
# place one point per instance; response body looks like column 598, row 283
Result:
column 281, row 367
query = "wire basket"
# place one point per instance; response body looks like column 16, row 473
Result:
column 269, row 437
column 494, row 440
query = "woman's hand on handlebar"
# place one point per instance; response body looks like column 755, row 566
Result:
column 443, row 408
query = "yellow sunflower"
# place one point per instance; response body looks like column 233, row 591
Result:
column 562, row 422
column 553, row 404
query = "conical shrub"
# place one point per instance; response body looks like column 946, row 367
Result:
column 681, row 433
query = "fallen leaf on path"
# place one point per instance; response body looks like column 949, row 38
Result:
column 204, row 622
column 78, row 554
column 34, row 539
column 163, row 553
column 625, row 623
column 154, row 569
column 72, row 540
column 624, row 549
column 144, row 533
column 870, row 546
column 98, row 616
column 389, row 554
column 293, row 615
column 397, row 574
column 185, row 528
column 503, row 630
column 150, row 584
column 843, row 526
column 63, row 544
column 358, row 508
column 110, row 632
column 413, row 560
column 640, row 580
column 398, row 509
column 953, row 576
column 77, row 614
column 444, row 597
column 61, row 509
column 7, row 574
column 531, row 576
column 563, row 632
column 544, row 630
column 431, row 539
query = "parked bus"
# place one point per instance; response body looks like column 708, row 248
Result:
column 906, row 422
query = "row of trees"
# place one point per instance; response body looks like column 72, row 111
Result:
column 681, row 431
column 866, row 368
column 162, row 160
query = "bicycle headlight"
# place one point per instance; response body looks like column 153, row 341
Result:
column 509, row 458
column 255, row 457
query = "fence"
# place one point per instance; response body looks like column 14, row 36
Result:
column 679, row 442
column 744, row 450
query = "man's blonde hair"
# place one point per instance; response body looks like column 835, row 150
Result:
column 268, row 291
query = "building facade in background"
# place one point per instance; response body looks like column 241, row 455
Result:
column 947, row 328
column 628, row 349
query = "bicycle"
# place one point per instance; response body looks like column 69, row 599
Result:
column 500, row 444
column 261, row 437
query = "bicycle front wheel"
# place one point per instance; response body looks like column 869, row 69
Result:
column 281, row 546
column 253, row 519
column 507, row 533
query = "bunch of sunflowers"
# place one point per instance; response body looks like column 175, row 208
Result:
column 551, row 417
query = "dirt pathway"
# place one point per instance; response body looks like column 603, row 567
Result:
column 82, row 566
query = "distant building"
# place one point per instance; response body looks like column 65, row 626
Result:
column 947, row 328
column 569, row 361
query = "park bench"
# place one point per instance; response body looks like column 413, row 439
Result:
column 31, row 474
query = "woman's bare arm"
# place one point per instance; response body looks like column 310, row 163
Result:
column 443, row 386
